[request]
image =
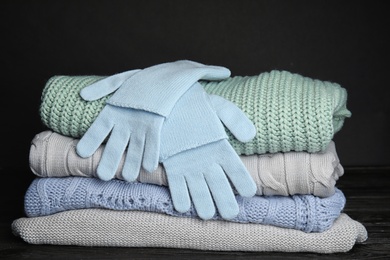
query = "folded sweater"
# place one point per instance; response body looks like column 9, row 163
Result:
column 113, row 228
column 54, row 155
column 46, row 196
column 290, row 112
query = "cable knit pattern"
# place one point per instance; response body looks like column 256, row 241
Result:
column 47, row 196
column 290, row 112
column 54, row 155
column 112, row 228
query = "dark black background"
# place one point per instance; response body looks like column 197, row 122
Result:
column 340, row 41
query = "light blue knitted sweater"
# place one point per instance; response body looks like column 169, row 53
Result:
column 47, row 196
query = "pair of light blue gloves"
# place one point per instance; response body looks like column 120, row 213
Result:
column 162, row 114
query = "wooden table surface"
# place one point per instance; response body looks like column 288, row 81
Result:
column 368, row 201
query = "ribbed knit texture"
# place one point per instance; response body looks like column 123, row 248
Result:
column 291, row 112
column 157, row 88
column 46, row 196
column 113, row 228
column 54, row 155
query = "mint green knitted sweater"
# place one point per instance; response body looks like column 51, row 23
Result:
column 291, row 112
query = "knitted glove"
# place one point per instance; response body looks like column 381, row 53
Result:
column 198, row 159
column 134, row 115
column 291, row 112
column 308, row 213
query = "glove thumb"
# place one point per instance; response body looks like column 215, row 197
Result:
column 234, row 119
column 105, row 86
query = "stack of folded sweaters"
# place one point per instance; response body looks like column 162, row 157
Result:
column 288, row 201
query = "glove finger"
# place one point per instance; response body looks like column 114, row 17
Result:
column 152, row 152
column 93, row 137
column 222, row 192
column 237, row 173
column 135, row 153
column 179, row 191
column 112, row 154
column 201, row 197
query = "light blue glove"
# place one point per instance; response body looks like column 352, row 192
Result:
column 136, row 129
column 134, row 114
column 198, row 159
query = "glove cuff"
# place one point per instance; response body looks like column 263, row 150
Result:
column 157, row 89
